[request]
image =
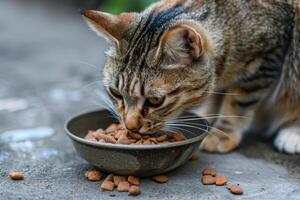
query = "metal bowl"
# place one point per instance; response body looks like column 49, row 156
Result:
column 138, row 160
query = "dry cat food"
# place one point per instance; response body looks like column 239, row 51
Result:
column 128, row 184
column 123, row 186
column 208, row 180
column 160, row 178
column 221, row 180
column 134, row 190
column 194, row 157
column 16, row 176
column 133, row 180
column 93, row 175
column 234, row 189
column 116, row 134
column 209, row 171
column 209, row 177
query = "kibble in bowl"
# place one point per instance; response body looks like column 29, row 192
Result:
column 124, row 158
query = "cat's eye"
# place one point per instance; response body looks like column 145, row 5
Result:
column 155, row 102
column 115, row 93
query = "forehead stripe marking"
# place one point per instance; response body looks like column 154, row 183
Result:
column 132, row 86
column 120, row 82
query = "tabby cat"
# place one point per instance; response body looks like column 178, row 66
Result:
column 235, row 58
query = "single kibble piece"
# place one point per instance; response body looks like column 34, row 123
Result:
column 118, row 179
column 107, row 185
column 133, row 180
column 145, row 137
column 194, row 157
column 123, row 186
column 209, row 171
column 221, row 180
column 134, row 190
column 234, row 189
column 100, row 130
column 16, row 176
column 139, row 142
column 153, row 140
column 112, row 128
column 91, row 136
column 106, row 138
column 147, row 141
column 135, row 136
column 160, row 178
column 132, row 141
column 162, row 138
column 102, row 141
column 120, row 133
column 208, row 180
column 123, row 140
column 120, row 126
column 109, row 177
column 93, row 175
column 178, row 137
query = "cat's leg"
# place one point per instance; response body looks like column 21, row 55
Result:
column 234, row 118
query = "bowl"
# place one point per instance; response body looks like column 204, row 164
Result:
column 137, row 160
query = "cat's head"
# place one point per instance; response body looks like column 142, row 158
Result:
column 158, row 65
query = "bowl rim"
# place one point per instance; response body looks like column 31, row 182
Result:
column 125, row 146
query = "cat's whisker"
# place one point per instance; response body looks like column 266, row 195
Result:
column 90, row 84
column 90, row 65
column 219, row 132
column 209, row 117
column 107, row 101
column 172, row 128
column 188, row 126
column 221, row 93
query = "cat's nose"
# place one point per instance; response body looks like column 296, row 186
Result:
column 133, row 123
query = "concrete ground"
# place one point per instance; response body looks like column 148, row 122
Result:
column 50, row 66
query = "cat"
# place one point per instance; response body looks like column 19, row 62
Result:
column 239, row 59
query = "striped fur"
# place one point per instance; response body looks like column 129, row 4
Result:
column 179, row 52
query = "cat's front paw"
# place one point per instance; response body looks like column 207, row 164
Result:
column 213, row 143
column 288, row 140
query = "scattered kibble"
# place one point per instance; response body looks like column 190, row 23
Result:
column 16, row 176
column 109, row 177
column 208, row 180
column 118, row 179
column 107, row 185
column 221, row 180
column 93, row 175
column 209, row 177
column 209, row 171
column 134, row 190
column 133, row 180
column 234, row 189
column 123, row 186
column 160, row 178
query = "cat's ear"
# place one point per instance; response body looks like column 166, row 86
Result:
column 183, row 44
column 111, row 27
